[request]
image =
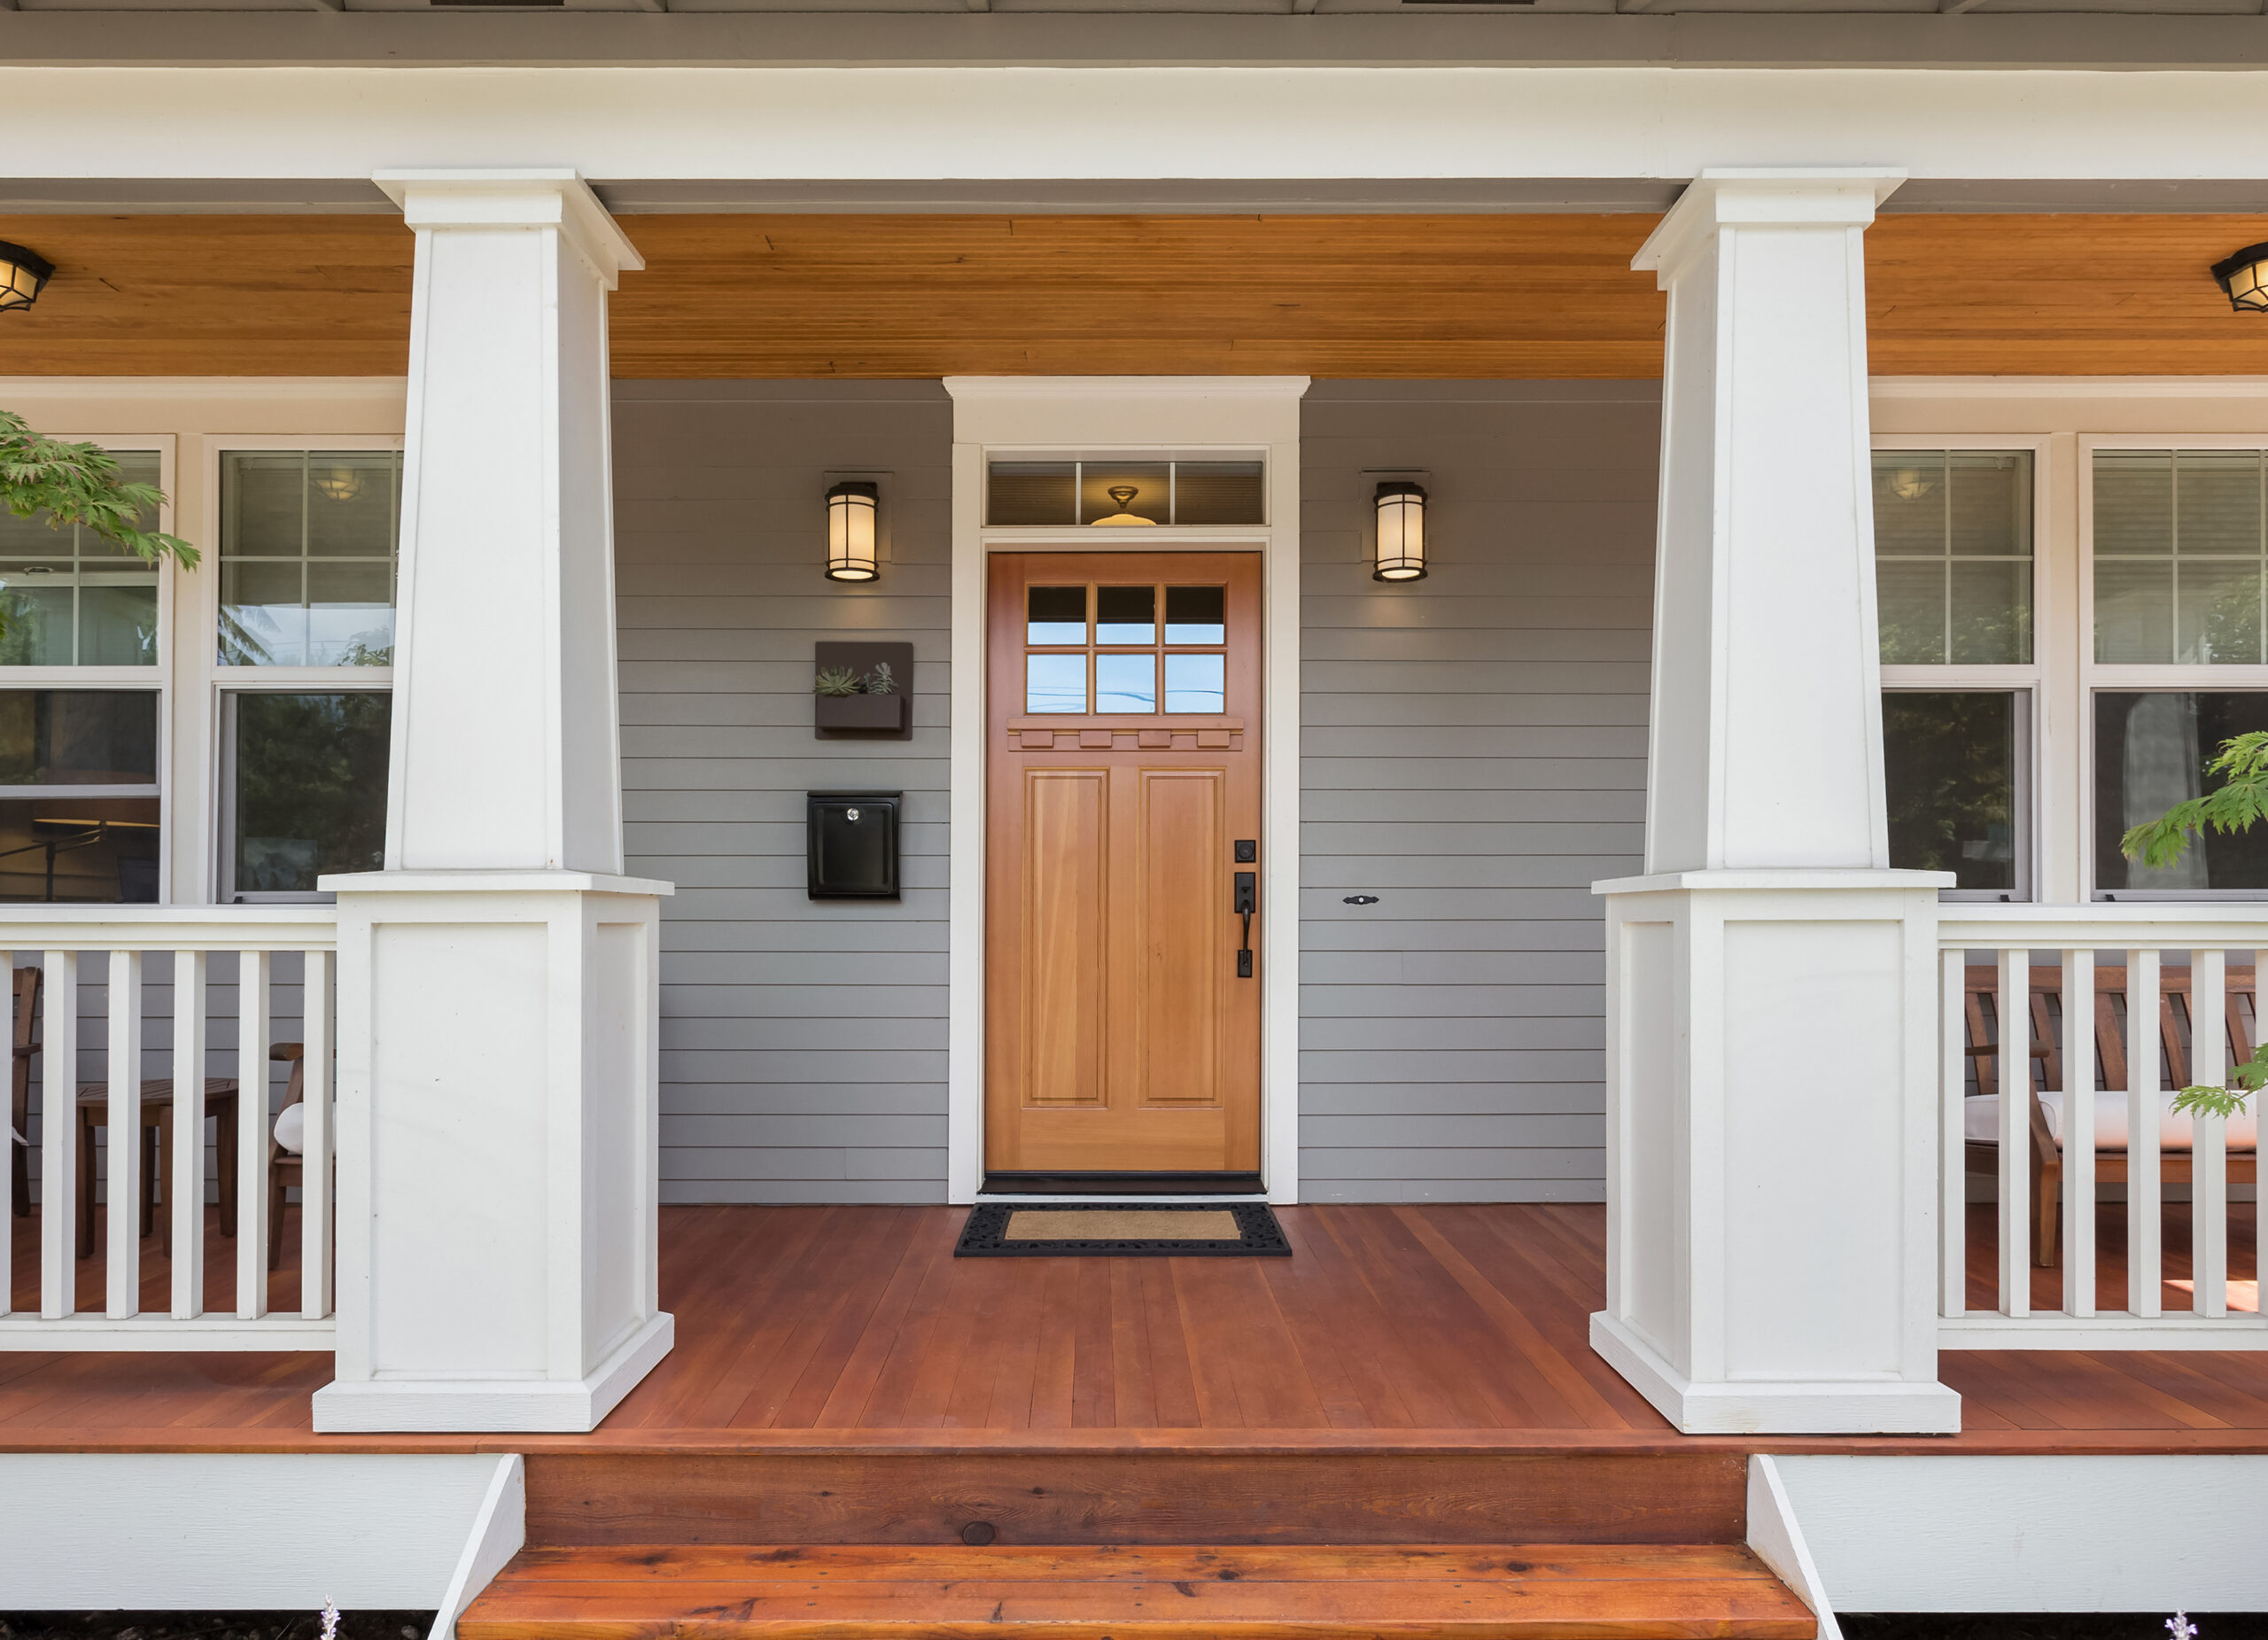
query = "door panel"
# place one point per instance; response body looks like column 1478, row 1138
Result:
column 1065, row 923
column 1121, row 773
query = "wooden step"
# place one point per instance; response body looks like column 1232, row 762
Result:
column 877, row 1592
column 1698, row 1496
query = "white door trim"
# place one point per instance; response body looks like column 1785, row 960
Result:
column 1118, row 413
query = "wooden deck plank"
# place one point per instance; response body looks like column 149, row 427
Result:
column 1432, row 1324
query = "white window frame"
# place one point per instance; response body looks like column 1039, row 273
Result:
column 218, row 680
column 153, row 679
column 2028, row 680
column 2096, row 677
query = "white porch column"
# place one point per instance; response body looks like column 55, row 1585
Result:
column 1771, row 1078
column 498, row 994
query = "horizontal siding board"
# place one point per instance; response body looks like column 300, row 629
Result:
column 802, row 1042
column 1472, row 753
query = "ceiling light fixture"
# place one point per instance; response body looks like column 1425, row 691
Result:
column 2244, row 277
column 23, row 275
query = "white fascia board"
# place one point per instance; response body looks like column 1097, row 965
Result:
column 698, row 123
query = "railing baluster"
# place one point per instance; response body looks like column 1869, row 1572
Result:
column 2014, row 1008
column 252, row 1030
column 123, row 1217
column 315, row 1148
column 1952, row 1138
column 2079, row 1132
column 2209, row 1178
column 59, row 1138
column 2145, row 1271
column 185, row 1190
column 8, row 1207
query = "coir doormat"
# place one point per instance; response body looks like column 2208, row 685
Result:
column 1122, row 1230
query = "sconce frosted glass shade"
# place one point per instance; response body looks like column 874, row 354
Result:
column 850, row 509
column 2245, row 277
column 1401, row 533
column 22, row 275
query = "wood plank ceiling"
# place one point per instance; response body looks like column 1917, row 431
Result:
column 799, row 296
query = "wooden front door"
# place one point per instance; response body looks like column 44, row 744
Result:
column 1122, row 981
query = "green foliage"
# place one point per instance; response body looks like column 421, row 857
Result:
column 79, row 483
column 835, row 680
column 880, row 682
column 2228, row 1101
column 2243, row 764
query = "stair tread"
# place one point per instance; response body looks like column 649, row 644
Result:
column 1129, row 1593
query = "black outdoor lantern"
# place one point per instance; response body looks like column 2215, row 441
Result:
column 850, row 509
column 1401, row 532
column 23, row 275
column 2245, row 277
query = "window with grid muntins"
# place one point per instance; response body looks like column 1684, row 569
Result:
column 1953, row 557
column 2180, row 546
column 308, row 557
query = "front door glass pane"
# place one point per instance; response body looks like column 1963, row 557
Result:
column 1055, row 683
column 1196, row 615
column 1056, row 614
column 1126, row 683
column 310, row 790
column 2150, row 751
column 1949, row 762
column 1196, row 683
column 1126, row 615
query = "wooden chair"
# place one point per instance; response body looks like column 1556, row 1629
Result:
column 156, row 1138
column 25, row 988
column 285, row 1168
column 2045, row 1001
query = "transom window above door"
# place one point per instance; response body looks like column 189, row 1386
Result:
column 308, row 556
column 1111, row 492
column 1125, row 651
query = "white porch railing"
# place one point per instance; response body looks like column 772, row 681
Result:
column 2025, row 1038
column 201, row 946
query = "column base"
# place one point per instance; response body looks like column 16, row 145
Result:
column 1775, row 1407
column 494, row 1406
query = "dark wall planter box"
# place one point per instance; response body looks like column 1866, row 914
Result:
column 864, row 717
column 859, row 712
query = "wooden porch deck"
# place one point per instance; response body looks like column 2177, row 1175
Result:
column 1403, row 1328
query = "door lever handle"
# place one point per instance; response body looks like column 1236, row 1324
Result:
column 1247, row 901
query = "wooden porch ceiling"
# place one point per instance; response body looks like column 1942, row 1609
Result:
column 1515, row 296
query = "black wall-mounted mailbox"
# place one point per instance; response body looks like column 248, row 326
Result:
column 852, row 844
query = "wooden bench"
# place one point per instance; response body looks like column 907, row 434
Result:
column 2045, row 1058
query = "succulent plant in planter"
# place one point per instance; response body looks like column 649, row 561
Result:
column 879, row 681
column 835, row 680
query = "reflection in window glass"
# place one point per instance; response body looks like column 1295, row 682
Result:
column 1952, row 556
column 100, row 850
column 1126, row 615
column 1055, row 683
column 308, row 542
column 1196, row 615
column 1949, row 761
column 2181, row 545
column 1217, row 493
column 79, row 737
column 309, row 791
column 1126, row 683
column 1031, row 493
column 1056, row 614
column 70, row 598
column 1079, row 493
column 1194, row 683
column 2150, row 752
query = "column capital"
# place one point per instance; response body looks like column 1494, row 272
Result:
column 1762, row 196
column 550, row 196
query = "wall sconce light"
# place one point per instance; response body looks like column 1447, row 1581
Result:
column 2244, row 277
column 850, row 508
column 23, row 275
column 1401, row 532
